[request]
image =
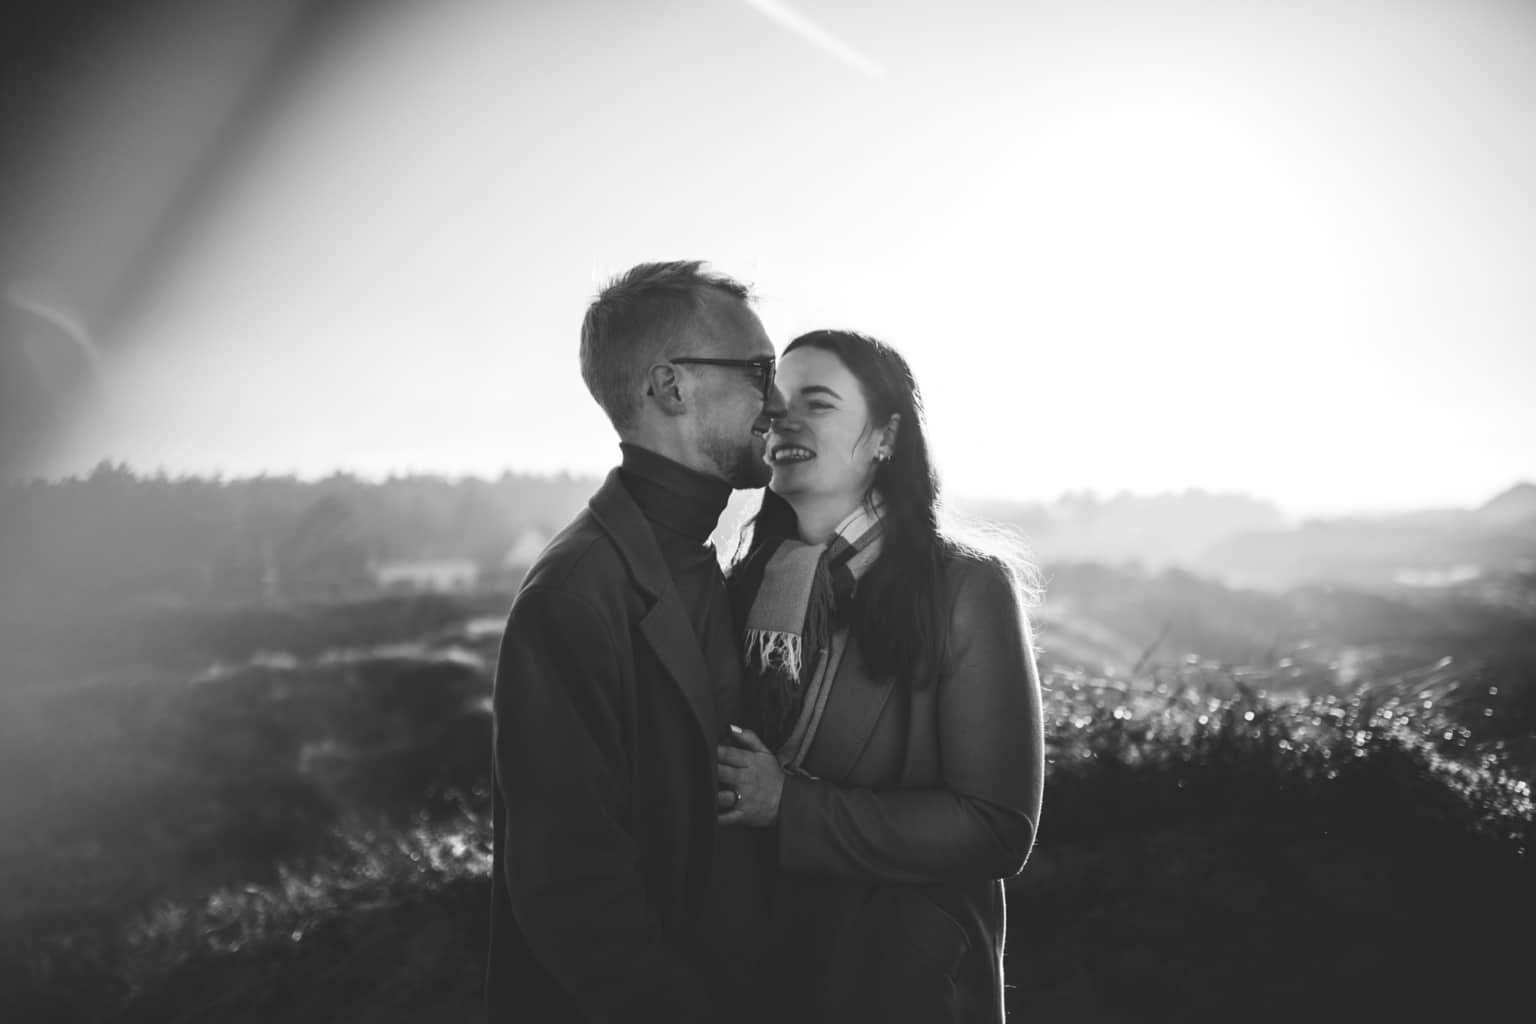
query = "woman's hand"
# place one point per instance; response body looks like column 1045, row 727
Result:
column 751, row 781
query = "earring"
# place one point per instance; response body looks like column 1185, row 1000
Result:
column 882, row 456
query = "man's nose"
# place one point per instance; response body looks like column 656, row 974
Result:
column 774, row 406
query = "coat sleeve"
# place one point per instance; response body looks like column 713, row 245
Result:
column 563, row 739
column 980, row 821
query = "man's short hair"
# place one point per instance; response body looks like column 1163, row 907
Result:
column 628, row 326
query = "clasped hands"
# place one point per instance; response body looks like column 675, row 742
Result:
column 750, row 780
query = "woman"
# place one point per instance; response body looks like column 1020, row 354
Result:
column 900, row 761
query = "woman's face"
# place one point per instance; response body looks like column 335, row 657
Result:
column 824, row 446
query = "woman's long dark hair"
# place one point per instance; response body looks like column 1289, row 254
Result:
column 896, row 616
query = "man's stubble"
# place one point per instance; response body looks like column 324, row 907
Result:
column 740, row 465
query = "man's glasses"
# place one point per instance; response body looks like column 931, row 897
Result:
column 763, row 369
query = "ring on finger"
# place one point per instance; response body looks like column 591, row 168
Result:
column 735, row 798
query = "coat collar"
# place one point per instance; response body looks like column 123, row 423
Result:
column 666, row 626
column 617, row 513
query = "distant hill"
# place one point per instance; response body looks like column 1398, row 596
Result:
column 1416, row 548
column 1155, row 531
column 1116, row 616
column 1514, row 507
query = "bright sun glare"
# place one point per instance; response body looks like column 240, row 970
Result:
column 1144, row 252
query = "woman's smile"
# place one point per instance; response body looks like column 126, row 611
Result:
column 786, row 453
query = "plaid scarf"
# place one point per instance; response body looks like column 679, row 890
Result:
column 804, row 590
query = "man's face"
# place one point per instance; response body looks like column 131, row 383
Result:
column 731, row 415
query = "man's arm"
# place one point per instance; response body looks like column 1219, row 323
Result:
column 563, row 736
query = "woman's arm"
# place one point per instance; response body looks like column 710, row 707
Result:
column 981, row 821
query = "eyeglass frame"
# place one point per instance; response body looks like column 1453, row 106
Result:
column 767, row 366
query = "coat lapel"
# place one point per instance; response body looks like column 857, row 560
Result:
column 853, row 710
column 671, row 636
column 665, row 627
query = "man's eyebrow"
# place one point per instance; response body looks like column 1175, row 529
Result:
column 822, row 389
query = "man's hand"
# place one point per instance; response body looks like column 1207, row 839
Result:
column 751, row 781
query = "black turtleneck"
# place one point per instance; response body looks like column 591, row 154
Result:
column 683, row 507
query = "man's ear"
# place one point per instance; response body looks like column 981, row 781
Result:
column 665, row 388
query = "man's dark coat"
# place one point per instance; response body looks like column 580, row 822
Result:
column 604, row 788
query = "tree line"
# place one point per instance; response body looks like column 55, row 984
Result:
column 115, row 535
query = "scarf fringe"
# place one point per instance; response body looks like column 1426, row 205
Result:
column 771, row 652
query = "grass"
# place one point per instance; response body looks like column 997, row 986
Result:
column 370, row 876
column 1199, row 845
column 373, row 870
column 1383, row 758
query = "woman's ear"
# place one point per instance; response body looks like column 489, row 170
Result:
column 889, row 431
column 664, row 387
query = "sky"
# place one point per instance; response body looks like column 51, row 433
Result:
column 1286, row 248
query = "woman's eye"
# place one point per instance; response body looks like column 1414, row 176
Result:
column 819, row 405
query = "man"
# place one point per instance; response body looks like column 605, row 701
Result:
column 614, row 897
